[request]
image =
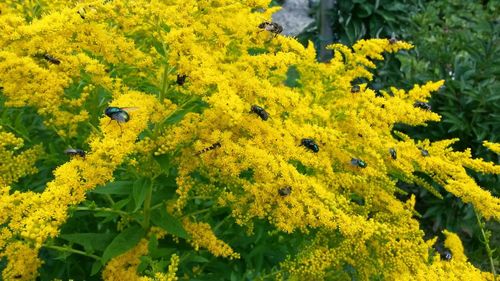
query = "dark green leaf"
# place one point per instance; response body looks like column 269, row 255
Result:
column 171, row 224
column 123, row 242
column 116, row 187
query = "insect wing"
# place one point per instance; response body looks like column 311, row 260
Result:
column 128, row 109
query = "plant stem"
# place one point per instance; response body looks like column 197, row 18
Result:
column 487, row 245
column 71, row 250
column 97, row 209
column 197, row 212
column 147, row 206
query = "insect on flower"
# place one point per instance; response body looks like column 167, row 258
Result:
column 358, row 163
column 260, row 111
column 355, row 89
column 271, row 27
column 423, row 105
column 393, row 153
column 213, row 146
column 393, row 39
column 51, row 59
column 424, row 152
column 181, row 79
column 285, row 191
column 75, row 152
column 445, row 255
column 119, row 114
column 310, row 144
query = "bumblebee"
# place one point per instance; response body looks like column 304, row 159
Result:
column 355, row 89
column 358, row 163
column 393, row 153
column 260, row 111
column 181, row 79
column 213, row 146
column 423, row 105
column 271, row 27
column 310, row 144
column 285, row 191
column 74, row 152
column 51, row 59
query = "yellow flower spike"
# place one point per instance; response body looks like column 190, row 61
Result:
column 23, row 262
column 124, row 266
column 202, row 236
column 495, row 147
column 15, row 162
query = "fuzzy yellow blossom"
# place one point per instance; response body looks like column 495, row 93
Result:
column 495, row 147
column 16, row 163
column 170, row 275
column 202, row 236
column 23, row 262
column 124, row 267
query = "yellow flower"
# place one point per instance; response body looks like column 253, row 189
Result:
column 202, row 236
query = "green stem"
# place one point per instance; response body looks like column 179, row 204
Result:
column 197, row 212
column 487, row 245
column 17, row 132
column 270, row 274
column 110, row 199
column 97, row 209
column 71, row 250
column 158, row 206
column 147, row 206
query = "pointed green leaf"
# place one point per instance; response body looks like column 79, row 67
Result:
column 123, row 242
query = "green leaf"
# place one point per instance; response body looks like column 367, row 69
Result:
column 123, row 242
column 96, row 266
column 116, row 187
column 140, row 188
column 292, row 77
column 171, row 224
column 91, row 242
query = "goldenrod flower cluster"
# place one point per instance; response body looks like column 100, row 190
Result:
column 203, row 237
column 324, row 163
column 16, row 163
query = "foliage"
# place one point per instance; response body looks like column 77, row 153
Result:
column 197, row 185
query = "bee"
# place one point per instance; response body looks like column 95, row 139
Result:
column 74, row 152
column 260, row 111
column 424, row 152
column 181, row 79
column 51, row 59
column 423, row 105
column 271, row 27
column 393, row 153
column 393, row 39
column 285, row 191
column 358, row 163
column 213, row 146
column 310, row 144
column 355, row 89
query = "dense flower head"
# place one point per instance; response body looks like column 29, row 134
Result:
column 322, row 164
